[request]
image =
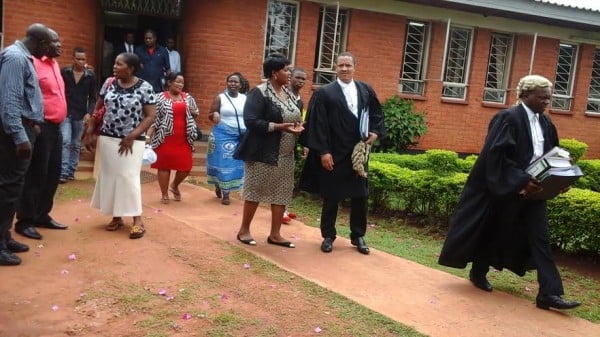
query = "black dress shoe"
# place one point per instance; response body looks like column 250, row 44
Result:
column 327, row 245
column 52, row 225
column 29, row 232
column 16, row 247
column 361, row 245
column 8, row 259
column 554, row 301
column 480, row 281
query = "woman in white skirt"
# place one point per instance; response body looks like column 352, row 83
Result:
column 129, row 103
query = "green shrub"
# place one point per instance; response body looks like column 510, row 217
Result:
column 411, row 161
column 574, row 219
column 591, row 174
column 403, row 125
column 576, row 148
column 442, row 162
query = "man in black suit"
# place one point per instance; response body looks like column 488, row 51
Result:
column 333, row 130
column 495, row 222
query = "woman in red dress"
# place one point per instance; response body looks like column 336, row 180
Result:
column 172, row 135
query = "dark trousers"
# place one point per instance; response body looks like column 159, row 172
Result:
column 41, row 180
column 534, row 215
column 358, row 217
column 12, row 178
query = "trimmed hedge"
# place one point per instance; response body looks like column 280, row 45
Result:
column 591, row 174
column 574, row 219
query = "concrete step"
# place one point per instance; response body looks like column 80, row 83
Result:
column 86, row 161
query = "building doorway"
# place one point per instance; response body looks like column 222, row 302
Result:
column 118, row 24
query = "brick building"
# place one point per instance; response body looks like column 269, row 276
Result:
column 460, row 60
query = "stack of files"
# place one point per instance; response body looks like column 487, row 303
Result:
column 555, row 171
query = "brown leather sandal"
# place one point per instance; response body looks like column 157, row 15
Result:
column 137, row 231
column 114, row 225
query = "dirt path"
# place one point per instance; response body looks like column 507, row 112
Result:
column 37, row 297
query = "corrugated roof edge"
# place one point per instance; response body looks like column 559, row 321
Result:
column 554, row 3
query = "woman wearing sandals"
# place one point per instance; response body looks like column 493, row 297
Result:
column 129, row 103
column 274, row 122
column 172, row 136
column 227, row 113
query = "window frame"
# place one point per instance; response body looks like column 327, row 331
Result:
column 424, row 59
column 466, row 68
column 291, row 48
column 506, row 71
column 596, row 71
column 319, row 71
column 571, row 82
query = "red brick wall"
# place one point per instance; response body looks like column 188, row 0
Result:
column 74, row 21
column 220, row 37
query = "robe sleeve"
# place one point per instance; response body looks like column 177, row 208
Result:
column 504, row 176
column 317, row 135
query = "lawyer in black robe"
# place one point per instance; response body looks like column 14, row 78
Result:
column 494, row 223
column 332, row 128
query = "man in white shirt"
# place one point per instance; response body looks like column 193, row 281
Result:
column 496, row 223
column 174, row 57
column 333, row 130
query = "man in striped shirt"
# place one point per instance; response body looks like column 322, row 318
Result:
column 21, row 111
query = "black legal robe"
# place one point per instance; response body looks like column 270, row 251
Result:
column 486, row 221
column 332, row 128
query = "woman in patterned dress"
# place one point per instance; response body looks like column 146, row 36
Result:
column 273, row 122
column 172, row 135
column 130, row 111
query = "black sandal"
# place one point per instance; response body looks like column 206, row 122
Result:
column 285, row 244
column 114, row 225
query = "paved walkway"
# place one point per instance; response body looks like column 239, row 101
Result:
column 433, row 302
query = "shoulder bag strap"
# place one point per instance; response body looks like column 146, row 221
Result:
column 236, row 113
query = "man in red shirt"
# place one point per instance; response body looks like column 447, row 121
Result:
column 41, row 180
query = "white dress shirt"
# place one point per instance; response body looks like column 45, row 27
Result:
column 129, row 48
column 537, row 135
column 351, row 94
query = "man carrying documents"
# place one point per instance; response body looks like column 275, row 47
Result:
column 501, row 218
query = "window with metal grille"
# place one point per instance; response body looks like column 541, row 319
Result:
column 496, row 80
column 458, row 56
column 281, row 28
column 415, row 54
column 330, row 41
column 565, row 77
column 593, row 104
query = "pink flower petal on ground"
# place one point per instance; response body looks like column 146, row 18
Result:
column 181, row 290
column 64, row 272
column 273, row 286
column 79, row 200
column 54, row 307
column 224, row 297
column 372, row 225
column 246, row 266
column 162, row 291
column 318, row 330
column 72, row 257
column 38, row 254
column 527, row 289
column 170, row 298
column 186, row 316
